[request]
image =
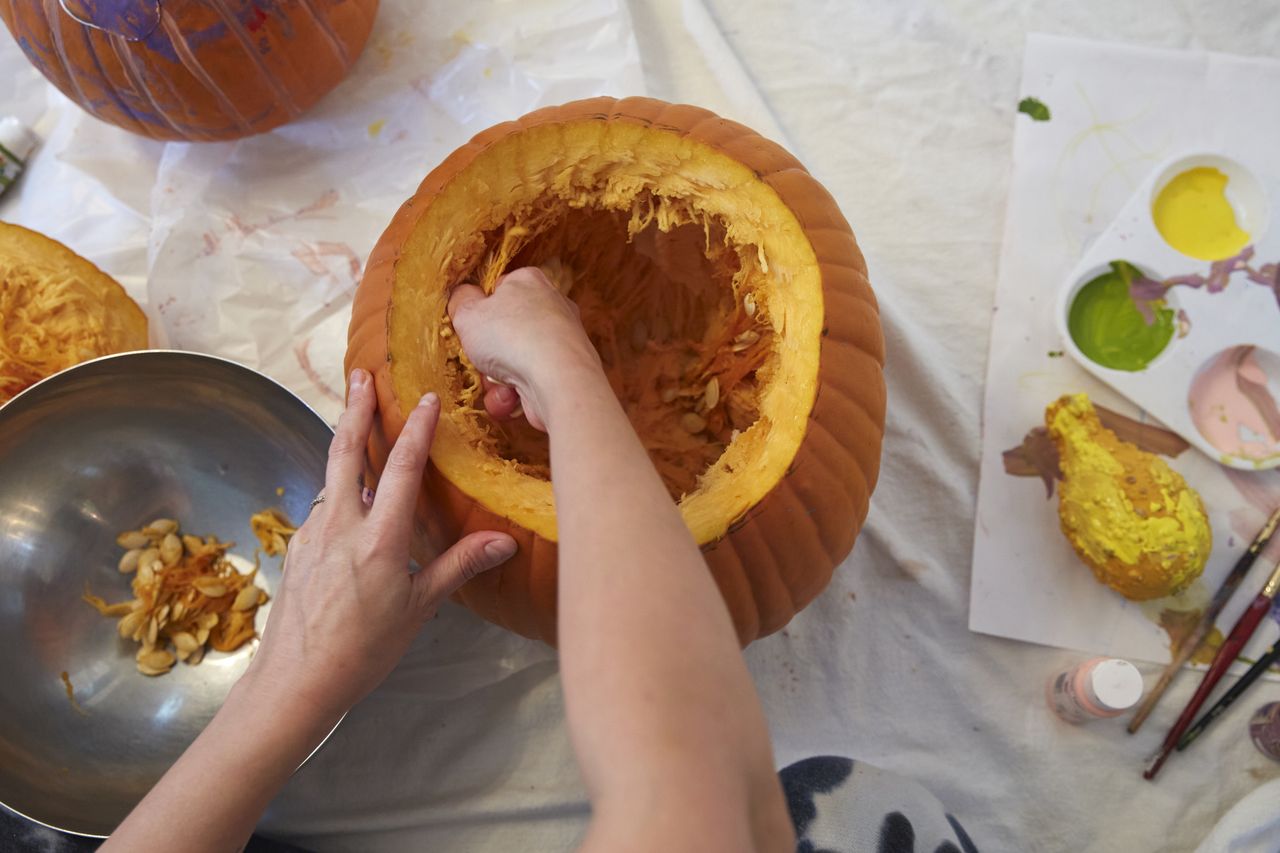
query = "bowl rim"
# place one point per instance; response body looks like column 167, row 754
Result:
column 144, row 354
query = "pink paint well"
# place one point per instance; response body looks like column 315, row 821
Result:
column 1233, row 402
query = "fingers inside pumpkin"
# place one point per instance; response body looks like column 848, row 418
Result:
column 501, row 401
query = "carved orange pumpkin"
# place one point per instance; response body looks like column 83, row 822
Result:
column 729, row 302
column 192, row 69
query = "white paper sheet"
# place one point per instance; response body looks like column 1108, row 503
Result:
column 1116, row 113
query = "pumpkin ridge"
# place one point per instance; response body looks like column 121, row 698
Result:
column 755, row 542
column 237, row 29
column 331, row 38
column 850, row 449
column 189, row 61
column 130, row 68
column 724, row 558
column 840, row 485
column 60, row 50
column 120, row 102
column 766, row 589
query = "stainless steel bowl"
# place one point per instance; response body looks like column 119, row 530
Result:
column 104, row 447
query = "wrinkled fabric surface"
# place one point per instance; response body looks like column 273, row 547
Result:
column 905, row 111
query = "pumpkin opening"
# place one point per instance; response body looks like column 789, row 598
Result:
column 695, row 283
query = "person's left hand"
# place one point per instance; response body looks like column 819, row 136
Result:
column 348, row 606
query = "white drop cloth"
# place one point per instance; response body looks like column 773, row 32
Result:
column 905, row 111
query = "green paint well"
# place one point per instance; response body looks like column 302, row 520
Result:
column 1107, row 326
column 1035, row 108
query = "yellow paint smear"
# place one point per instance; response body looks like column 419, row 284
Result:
column 1193, row 215
column 376, row 127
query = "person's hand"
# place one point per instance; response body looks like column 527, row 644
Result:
column 348, row 606
column 526, row 338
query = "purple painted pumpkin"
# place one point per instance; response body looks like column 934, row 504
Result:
column 192, row 69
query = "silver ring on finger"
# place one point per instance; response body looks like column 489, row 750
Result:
column 319, row 499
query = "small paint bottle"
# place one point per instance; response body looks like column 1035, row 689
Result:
column 1264, row 729
column 16, row 144
column 1095, row 689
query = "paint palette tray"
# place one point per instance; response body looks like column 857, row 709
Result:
column 1177, row 306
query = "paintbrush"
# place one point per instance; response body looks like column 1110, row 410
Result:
column 1255, row 672
column 1188, row 647
column 1231, row 647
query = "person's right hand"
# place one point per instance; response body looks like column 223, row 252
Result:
column 525, row 337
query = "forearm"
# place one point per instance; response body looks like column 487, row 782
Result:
column 656, row 689
column 214, row 795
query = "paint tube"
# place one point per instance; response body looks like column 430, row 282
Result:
column 16, row 144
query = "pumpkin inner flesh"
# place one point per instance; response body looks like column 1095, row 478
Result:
column 670, row 316
column 686, row 268
column 57, row 310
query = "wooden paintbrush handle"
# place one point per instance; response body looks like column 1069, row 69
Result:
column 1231, row 647
column 1182, row 655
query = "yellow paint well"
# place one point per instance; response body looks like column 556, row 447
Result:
column 1194, row 216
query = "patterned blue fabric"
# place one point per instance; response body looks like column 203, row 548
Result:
column 841, row 806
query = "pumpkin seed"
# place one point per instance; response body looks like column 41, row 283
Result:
column 160, row 527
column 156, row 662
column 749, row 303
column 184, row 642
column 669, row 394
column 129, row 562
column 692, row 422
column 131, row 539
column 211, row 587
column 170, row 549
column 246, row 598
column 193, row 544
column 745, row 340
column 712, row 395
column 196, row 656
column 146, row 574
column 130, row 623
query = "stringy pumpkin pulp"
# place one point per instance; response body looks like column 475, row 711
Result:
column 57, row 310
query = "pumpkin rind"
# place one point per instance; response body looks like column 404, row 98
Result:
column 781, row 554
column 211, row 70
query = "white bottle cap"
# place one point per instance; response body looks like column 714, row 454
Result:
column 1116, row 684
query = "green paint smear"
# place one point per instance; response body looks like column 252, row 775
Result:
column 1035, row 108
column 1108, row 327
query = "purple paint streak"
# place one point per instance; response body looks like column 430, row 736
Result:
column 133, row 20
